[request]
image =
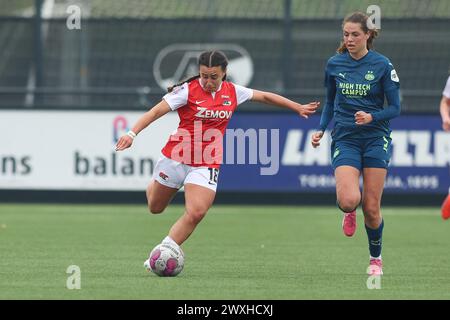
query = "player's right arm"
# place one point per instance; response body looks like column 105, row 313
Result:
column 144, row 121
column 328, row 110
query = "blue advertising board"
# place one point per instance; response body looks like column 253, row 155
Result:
column 272, row 152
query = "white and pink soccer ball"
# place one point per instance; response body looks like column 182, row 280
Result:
column 165, row 260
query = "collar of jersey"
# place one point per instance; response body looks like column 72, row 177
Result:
column 359, row 60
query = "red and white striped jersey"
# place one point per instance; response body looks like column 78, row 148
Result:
column 204, row 117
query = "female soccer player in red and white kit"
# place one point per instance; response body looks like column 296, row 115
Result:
column 192, row 156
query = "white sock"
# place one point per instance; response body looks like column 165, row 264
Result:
column 169, row 240
column 376, row 257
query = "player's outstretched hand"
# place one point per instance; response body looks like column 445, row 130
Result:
column 446, row 125
column 124, row 142
column 305, row 110
column 362, row 117
column 315, row 138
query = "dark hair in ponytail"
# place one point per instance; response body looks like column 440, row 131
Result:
column 366, row 26
column 170, row 89
column 210, row 59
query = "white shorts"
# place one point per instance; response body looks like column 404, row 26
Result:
column 174, row 174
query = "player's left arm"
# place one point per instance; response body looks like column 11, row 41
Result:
column 388, row 113
column 445, row 113
column 304, row 110
column 391, row 87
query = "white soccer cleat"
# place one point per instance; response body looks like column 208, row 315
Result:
column 147, row 265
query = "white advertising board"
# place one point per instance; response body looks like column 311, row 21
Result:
column 74, row 150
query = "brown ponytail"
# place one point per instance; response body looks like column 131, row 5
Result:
column 170, row 89
column 366, row 26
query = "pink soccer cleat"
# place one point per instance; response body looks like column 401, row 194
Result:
column 445, row 210
column 349, row 223
column 375, row 267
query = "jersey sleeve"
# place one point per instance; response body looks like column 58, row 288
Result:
column 393, row 108
column 446, row 92
column 328, row 109
column 243, row 94
column 390, row 78
column 178, row 97
column 328, row 80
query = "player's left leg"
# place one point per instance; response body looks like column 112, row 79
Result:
column 200, row 185
column 199, row 191
column 198, row 201
column 373, row 184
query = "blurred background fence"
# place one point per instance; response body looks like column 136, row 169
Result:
column 119, row 56
column 127, row 52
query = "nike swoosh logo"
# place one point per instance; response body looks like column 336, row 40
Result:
column 198, row 102
column 342, row 75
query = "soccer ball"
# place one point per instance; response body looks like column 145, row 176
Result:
column 165, row 260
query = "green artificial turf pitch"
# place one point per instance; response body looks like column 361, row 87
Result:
column 237, row 252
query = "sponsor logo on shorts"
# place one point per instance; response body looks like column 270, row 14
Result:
column 163, row 176
column 386, row 144
column 336, row 153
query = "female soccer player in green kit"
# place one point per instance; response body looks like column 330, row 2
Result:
column 357, row 81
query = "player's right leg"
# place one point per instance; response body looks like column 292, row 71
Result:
column 348, row 196
column 168, row 177
column 445, row 210
column 159, row 196
column 347, row 188
column 346, row 161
